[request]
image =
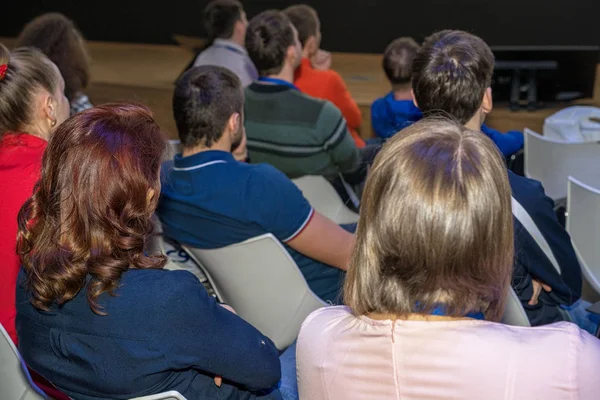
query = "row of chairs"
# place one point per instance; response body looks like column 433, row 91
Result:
column 240, row 281
column 551, row 161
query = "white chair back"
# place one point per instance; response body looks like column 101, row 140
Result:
column 514, row 313
column 324, row 199
column 583, row 224
column 170, row 395
column 174, row 148
column 552, row 161
column 260, row 280
column 15, row 381
column 574, row 124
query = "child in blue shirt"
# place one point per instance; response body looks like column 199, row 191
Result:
column 396, row 110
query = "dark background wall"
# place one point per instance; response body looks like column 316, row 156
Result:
column 348, row 25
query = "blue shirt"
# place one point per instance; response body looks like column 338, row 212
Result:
column 162, row 332
column 389, row 116
column 209, row 200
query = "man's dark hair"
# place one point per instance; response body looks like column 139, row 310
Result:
column 220, row 17
column 451, row 73
column 398, row 58
column 268, row 37
column 305, row 19
column 205, row 98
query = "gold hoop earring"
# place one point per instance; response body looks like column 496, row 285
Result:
column 53, row 123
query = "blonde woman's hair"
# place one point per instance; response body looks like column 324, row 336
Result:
column 435, row 227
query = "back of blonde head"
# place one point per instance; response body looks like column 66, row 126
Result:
column 435, row 226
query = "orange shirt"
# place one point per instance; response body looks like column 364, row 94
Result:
column 329, row 85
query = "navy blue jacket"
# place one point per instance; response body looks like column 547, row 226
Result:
column 531, row 262
column 162, row 332
column 389, row 115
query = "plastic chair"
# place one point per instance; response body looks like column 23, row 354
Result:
column 552, row 161
column 170, row 395
column 15, row 381
column 260, row 280
column 583, row 224
column 574, row 124
column 323, row 197
column 175, row 148
column 514, row 314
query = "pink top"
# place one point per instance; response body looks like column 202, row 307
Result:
column 341, row 356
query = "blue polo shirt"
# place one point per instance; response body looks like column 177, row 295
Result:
column 209, row 200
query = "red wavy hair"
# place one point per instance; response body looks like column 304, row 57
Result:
column 90, row 214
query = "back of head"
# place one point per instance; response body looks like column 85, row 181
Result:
column 435, row 226
column 398, row 58
column 451, row 73
column 58, row 38
column 205, row 98
column 268, row 37
column 220, row 17
column 26, row 71
column 305, row 19
column 92, row 207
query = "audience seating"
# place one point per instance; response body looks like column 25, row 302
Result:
column 260, row 280
column 15, row 381
column 175, row 146
column 323, row 197
column 574, row 124
column 552, row 161
column 514, row 314
column 583, row 224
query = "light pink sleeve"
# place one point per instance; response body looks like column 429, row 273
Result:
column 588, row 366
column 310, row 348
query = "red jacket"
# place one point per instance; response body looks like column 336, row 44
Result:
column 329, row 85
column 20, row 165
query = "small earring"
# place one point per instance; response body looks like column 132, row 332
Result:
column 53, row 123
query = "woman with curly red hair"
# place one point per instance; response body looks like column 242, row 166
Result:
column 96, row 315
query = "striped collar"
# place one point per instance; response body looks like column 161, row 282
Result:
column 201, row 160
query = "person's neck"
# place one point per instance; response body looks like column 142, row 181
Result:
column 402, row 92
column 414, row 317
column 475, row 123
column 238, row 39
column 286, row 74
column 307, row 54
column 36, row 131
column 222, row 145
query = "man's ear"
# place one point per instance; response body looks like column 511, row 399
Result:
column 311, row 46
column 414, row 99
column 234, row 122
column 487, row 103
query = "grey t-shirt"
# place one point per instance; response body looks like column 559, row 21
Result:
column 228, row 54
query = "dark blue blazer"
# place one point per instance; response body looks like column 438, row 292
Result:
column 162, row 332
column 531, row 262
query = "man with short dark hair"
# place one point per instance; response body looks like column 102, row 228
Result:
column 322, row 84
column 396, row 110
column 297, row 134
column 225, row 24
column 452, row 74
column 209, row 200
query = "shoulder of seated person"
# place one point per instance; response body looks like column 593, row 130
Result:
column 266, row 171
column 325, row 315
column 160, row 277
column 524, row 189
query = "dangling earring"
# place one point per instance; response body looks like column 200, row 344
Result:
column 53, row 123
